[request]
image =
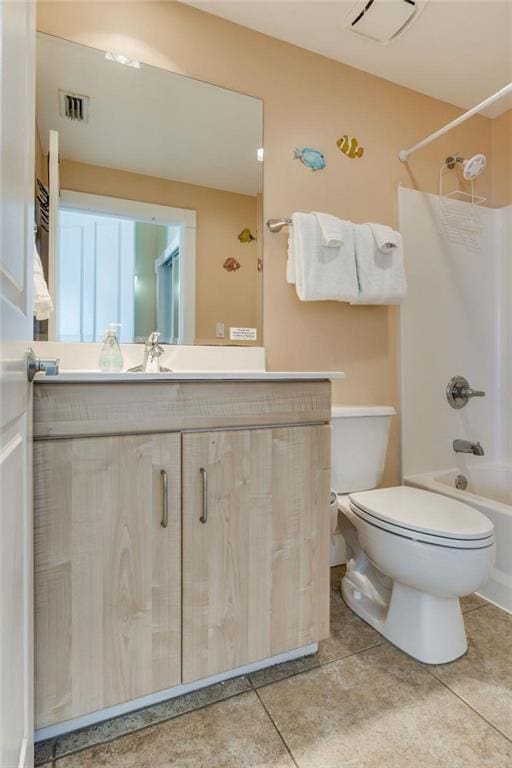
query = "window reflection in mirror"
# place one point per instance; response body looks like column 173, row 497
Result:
column 138, row 281
column 159, row 187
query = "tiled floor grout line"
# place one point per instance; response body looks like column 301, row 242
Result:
column 476, row 608
column 353, row 653
column 320, row 665
column 469, row 706
column 276, row 728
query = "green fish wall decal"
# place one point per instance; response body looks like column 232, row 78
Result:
column 246, row 236
column 349, row 145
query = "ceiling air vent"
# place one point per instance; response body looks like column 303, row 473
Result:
column 74, row 106
column 382, row 20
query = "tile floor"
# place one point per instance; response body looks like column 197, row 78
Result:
column 358, row 703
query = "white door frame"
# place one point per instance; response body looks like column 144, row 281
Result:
column 159, row 262
column 17, row 110
column 53, row 227
column 164, row 215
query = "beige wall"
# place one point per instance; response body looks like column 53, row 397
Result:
column 501, row 161
column 308, row 101
column 233, row 298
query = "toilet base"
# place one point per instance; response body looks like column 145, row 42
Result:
column 427, row 627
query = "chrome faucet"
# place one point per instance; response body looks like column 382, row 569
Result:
column 152, row 353
column 465, row 446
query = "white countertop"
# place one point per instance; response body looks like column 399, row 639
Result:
column 77, row 376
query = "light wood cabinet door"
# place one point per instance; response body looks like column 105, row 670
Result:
column 107, row 573
column 256, row 573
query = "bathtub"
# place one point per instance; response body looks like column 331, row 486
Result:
column 489, row 489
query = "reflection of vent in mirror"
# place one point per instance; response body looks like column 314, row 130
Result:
column 74, row 106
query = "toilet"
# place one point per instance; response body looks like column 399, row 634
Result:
column 411, row 554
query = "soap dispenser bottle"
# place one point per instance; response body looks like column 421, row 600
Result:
column 111, row 357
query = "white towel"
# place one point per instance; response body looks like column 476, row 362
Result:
column 42, row 301
column 331, row 229
column 385, row 237
column 381, row 275
column 322, row 272
column 290, row 264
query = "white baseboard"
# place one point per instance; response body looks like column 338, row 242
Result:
column 169, row 693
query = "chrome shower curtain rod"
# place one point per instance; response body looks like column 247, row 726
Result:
column 405, row 154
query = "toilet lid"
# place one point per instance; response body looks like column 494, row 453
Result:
column 425, row 512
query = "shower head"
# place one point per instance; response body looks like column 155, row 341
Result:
column 471, row 168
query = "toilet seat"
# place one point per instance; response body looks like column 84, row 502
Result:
column 424, row 516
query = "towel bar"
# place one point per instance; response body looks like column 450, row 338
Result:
column 276, row 225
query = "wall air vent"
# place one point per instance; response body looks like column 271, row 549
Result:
column 74, row 106
column 382, row 20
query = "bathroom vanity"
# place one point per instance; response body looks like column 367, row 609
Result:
column 181, row 534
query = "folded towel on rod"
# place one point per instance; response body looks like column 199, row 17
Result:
column 385, row 237
column 380, row 273
column 321, row 272
column 290, row 262
column 331, row 229
column 42, row 301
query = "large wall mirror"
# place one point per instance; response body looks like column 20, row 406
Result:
column 156, row 183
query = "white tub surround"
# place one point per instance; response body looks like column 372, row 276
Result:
column 457, row 320
column 489, row 490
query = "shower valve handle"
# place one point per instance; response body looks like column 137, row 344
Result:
column 472, row 392
column 458, row 392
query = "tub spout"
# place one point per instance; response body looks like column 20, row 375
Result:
column 465, row 446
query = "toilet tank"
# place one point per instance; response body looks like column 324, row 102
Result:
column 359, row 441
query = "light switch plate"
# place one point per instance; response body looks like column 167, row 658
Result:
column 219, row 331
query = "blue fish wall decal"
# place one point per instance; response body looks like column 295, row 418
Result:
column 311, row 158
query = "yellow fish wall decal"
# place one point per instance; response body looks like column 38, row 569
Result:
column 349, row 145
column 246, row 236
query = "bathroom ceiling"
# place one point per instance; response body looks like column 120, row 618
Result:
column 459, row 51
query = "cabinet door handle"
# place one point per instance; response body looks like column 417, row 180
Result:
column 204, row 475
column 165, row 499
